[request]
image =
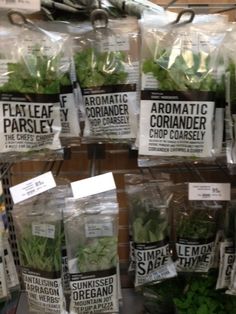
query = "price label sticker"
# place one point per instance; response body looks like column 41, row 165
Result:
column 114, row 43
column 43, row 230
column 32, row 187
column 94, row 230
column 209, row 192
column 94, row 185
column 28, row 5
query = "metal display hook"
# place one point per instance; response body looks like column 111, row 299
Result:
column 99, row 17
column 178, row 22
column 169, row 4
column 19, row 19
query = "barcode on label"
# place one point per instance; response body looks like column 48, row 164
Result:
column 206, row 195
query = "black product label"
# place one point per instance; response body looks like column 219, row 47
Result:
column 44, row 294
column 179, row 124
column 195, row 256
column 28, row 124
column 111, row 111
column 95, row 292
column 227, row 259
column 153, row 263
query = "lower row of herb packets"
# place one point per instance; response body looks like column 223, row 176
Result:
column 182, row 252
column 52, row 224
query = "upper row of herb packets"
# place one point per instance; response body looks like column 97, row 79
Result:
column 59, row 83
column 165, row 88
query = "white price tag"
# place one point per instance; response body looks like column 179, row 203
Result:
column 115, row 43
column 29, row 5
column 93, row 230
column 94, row 185
column 32, row 187
column 43, row 230
column 209, row 192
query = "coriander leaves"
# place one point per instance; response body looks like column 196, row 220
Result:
column 188, row 71
column 96, row 68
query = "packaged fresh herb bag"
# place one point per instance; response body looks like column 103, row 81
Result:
column 182, row 87
column 91, row 228
column 132, row 179
column 107, row 67
column 149, row 218
column 70, row 131
column 227, row 258
column 229, row 49
column 197, row 226
column 39, row 235
column 30, row 76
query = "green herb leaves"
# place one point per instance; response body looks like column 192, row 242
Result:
column 187, row 71
column 187, row 295
column 148, row 222
column 33, row 74
column 196, row 224
column 200, row 297
column 40, row 253
column 95, row 68
column 97, row 254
